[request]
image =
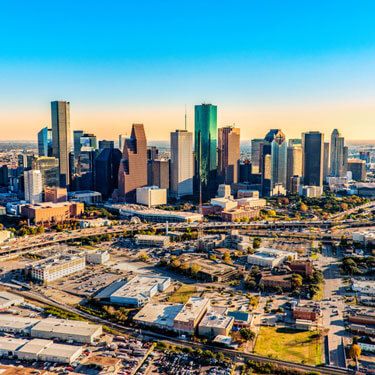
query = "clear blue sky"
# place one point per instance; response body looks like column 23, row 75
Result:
column 147, row 59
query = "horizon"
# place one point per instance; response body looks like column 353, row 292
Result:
column 264, row 66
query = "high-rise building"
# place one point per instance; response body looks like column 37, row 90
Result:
column 358, row 169
column 182, row 163
column 77, row 134
column 45, row 142
column 106, row 144
column 277, row 141
column 4, row 176
column 255, row 154
column 339, row 155
column 106, row 171
column 326, row 163
column 312, row 158
column 61, row 137
column 205, row 178
column 49, row 168
column 152, row 153
column 133, row 165
column 121, row 142
column 88, row 141
column 83, row 178
column 228, row 154
column 265, row 168
column 294, row 165
column 159, row 175
column 33, row 186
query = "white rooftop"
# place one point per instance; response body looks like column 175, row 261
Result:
column 192, row 309
column 159, row 314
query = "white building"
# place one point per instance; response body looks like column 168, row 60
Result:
column 366, row 237
column 9, row 299
column 97, row 257
column 5, row 235
column 311, row 191
column 224, row 191
column 364, row 287
column 182, row 163
column 151, row 196
column 224, row 203
column 33, row 186
column 137, row 291
column 86, row 196
column 52, row 269
column 267, row 257
column 95, row 223
column 151, row 240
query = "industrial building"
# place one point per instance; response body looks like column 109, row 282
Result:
column 16, row 324
column 150, row 240
column 66, row 330
column 187, row 320
column 267, row 257
column 9, row 299
column 136, row 292
column 55, row 268
column 39, row 350
column 97, row 257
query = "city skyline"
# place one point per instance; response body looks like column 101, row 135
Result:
column 269, row 66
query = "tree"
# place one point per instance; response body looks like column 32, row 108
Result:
column 143, row 256
column 227, row 258
column 355, row 352
column 195, row 268
column 303, row 207
column 247, row 334
column 176, row 263
column 257, row 242
column 297, row 281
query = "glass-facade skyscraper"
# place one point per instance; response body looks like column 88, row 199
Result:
column 45, row 142
column 312, row 158
column 205, row 179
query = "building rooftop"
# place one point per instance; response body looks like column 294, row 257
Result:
column 11, row 344
column 192, row 308
column 60, row 350
column 149, row 237
column 269, row 253
column 159, row 314
column 16, row 322
column 35, row 346
column 212, row 319
column 7, row 298
column 57, row 260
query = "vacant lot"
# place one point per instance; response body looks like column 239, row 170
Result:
column 183, row 293
column 289, row 345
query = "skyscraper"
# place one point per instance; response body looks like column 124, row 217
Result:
column 133, row 165
column 228, row 154
column 182, row 163
column 159, row 175
column 88, row 141
column 61, row 137
column 106, row 144
column 312, row 158
column 255, row 154
column 49, row 168
column 205, row 178
column 33, row 186
column 339, row 155
column 45, row 142
column 77, row 134
column 326, row 163
column 294, row 164
column 106, row 171
column 358, row 169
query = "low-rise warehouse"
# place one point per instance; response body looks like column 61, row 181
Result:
column 9, row 299
column 215, row 323
column 151, row 240
column 66, row 330
column 16, row 324
column 267, row 257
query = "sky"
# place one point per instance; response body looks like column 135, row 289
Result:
column 294, row 65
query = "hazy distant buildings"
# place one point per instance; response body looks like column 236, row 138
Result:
column 133, row 166
column 61, row 137
column 182, row 163
column 228, row 154
column 339, row 155
column 45, row 142
column 205, row 145
column 312, row 158
column 33, row 186
column 106, row 171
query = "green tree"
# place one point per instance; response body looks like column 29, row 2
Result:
column 257, row 242
column 247, row 334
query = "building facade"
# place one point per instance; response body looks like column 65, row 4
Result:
column 312, row 158
column 33, row 186
column 339, row 155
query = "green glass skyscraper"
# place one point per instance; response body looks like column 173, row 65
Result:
column 205, row 179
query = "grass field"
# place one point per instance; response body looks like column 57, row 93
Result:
column 289, row 345
column 183, row 293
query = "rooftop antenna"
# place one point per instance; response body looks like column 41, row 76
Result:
column 185, row 118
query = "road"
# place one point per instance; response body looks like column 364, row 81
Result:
column 333, row 306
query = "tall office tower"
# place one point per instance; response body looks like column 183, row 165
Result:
column 49, row 168
column 77, row 134
column 88, row 141
column 228, row 154
column 326, row 163
column 244, row 171
column 205, row 178
column 25, row 161
column 4, row 176
column 255, row 154
column 159, row 173
column 61, row 137
column 312, row 158
column 152, row 153
column 133, row 165
column 182, row 163
column 121, row 142
column 45, row 142
column 83, row 178
column 106, row 171
column 358, row 169
column 339, row 155
column 106, row 144
column 265, row 168
column 33, row 186
column 294, row 165
column 276, row 139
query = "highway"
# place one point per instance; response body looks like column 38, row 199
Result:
column 176, row 341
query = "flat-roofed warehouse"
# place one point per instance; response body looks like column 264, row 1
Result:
column 9, row 346
column 16, row 324
column 9, row 299
column 78, row 331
